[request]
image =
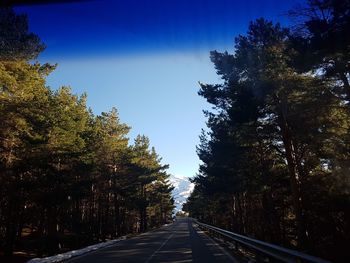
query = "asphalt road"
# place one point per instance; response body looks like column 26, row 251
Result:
column 177, row 242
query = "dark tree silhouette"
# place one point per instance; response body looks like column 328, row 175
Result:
column 274, row 159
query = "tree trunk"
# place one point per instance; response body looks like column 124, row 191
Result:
column 294, row 176
column 117, row 215
column 10, row 232
column 10, row 227
column 346, row 84
column 52, row 241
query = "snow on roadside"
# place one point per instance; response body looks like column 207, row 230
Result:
column 75, row 253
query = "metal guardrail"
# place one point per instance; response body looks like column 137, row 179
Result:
column 269, row 250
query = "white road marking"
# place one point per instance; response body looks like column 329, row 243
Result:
column 162, row 245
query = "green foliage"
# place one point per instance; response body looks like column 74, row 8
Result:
column 277, row 152
column 16, row 42
column 322, row 40
column 69, row 176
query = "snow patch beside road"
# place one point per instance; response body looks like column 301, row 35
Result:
column 75, row 253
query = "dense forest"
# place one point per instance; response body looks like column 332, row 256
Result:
column 276, row 154
column 68, row 178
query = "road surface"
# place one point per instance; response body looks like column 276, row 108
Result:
column 177, row 242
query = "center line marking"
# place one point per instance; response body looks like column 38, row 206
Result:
column 155, row 252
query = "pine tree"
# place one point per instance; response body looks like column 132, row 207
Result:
column 67, row 176
column 269, row 121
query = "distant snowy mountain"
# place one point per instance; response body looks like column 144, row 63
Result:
column 182, row 190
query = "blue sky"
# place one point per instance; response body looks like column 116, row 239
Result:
column 145, row 58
